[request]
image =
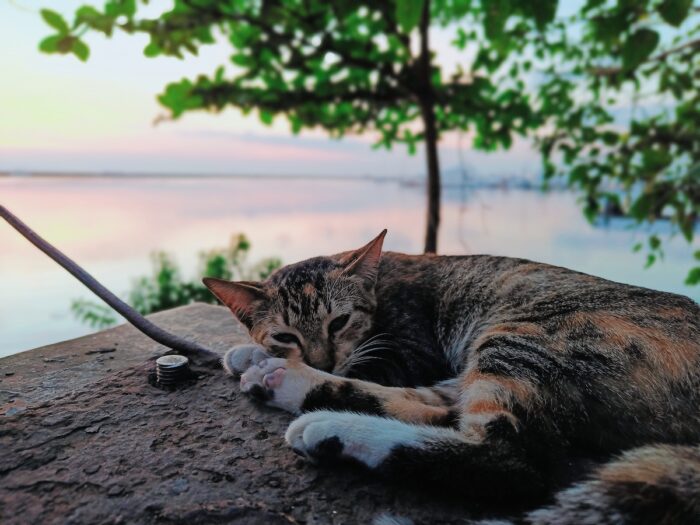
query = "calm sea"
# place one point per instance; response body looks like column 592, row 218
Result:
column 112, row 225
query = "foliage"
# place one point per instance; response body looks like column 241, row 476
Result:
column 358, row 66
column 645, row 159
column 346, row 66
column 95, row 315
column 166, row 289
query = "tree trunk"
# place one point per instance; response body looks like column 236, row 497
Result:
column 433, row 182
column 426, row 98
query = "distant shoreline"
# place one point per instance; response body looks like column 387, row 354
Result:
column 411, row 181
column 156, row 175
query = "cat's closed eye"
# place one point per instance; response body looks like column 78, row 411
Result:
column 338, row 323
column 287, row 338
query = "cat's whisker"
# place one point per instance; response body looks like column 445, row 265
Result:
column 367, row 351
column 369, row 344
column 363, row 356
column 375, row 336
column 349, row 364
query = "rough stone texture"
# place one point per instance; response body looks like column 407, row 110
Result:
column 100, row 446
column 43, row 373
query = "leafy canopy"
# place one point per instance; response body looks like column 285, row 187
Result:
column 356, row 66
column 640, row 159
column 344, row 66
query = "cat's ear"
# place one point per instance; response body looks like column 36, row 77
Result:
column 240, row 296
column 365, row 261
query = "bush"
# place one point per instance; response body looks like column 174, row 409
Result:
column 165, row 288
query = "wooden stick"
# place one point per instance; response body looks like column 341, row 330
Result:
column 196, row 352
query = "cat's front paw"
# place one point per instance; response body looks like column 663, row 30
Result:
column 241, row 357
column 279, row 383
column 325, row 436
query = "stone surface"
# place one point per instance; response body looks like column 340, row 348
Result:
column 43, row 373
column 90, row 446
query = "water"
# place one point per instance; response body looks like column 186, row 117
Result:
column 112, row 225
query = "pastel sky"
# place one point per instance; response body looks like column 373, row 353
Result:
column 59, row 114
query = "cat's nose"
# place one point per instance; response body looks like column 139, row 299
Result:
column 319, row 359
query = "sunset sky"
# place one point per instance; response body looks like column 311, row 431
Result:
column 59, row 114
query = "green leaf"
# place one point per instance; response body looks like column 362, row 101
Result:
column 675, row 11
column 693, row 277
column 180, row 97
column 242, row 60
column 87, row 12
column 495, row 17
column 544, row 12
column 638, row 47
column 116, row 8
column 266, row 117
column 654, row 242
column 94, row 19
column 295, row 122
column 641, row 207
column 55, row 20
column 129, row 7
column 656, row 159
column 610, row 138
column 50, row 44
column 81, row 50
column 152, row 50
column 687, row 227
column 408, row 13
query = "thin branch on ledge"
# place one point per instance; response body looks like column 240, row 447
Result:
column 199, row 354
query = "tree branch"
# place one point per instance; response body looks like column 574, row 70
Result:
column 609, row 71
column 290, row 100
column 191, row 349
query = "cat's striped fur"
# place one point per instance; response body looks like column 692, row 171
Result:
column 479, row 374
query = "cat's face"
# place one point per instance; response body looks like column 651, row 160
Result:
column 318, row 310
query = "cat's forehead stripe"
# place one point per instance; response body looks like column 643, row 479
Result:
column 303, row 287
column 312, row 270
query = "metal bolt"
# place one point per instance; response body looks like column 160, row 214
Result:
column 171, row 369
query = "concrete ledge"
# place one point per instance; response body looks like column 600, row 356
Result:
column 97, row 443
column 49, row 371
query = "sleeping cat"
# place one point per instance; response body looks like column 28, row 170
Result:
column 479, row 374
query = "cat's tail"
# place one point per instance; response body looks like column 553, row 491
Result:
column 657, row 484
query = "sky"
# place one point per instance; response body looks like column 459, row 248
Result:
column 59, row 114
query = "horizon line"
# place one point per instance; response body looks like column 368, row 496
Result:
column 148, row 174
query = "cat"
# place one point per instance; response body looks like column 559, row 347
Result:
column 479, row 374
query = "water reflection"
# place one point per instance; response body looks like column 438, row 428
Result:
column 112, row 225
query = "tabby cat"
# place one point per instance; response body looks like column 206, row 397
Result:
column 479, row 374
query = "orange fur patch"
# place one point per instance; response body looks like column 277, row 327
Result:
column 521, row 391
column 413, row 411
column 407, row 404
column 672, row 354
column 484, row 406
column 651, row 465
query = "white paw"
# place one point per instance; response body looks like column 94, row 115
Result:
column 279, row 383
column 241, row 357
column 326, row 435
